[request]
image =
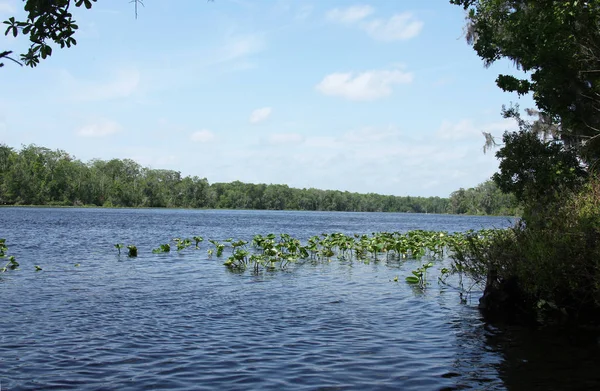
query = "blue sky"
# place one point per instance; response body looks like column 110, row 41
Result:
column 373, row 96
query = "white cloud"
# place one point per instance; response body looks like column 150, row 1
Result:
column 285, row 138
column 123, row 84
column 100, row 128
column 369, row 85
column 242, row 46
column 382, row 159
column 260, row 115
column 370, row 134
column 467, row 129
column 152, row 157
column 399, row 27
column 202, row 136
column 351, row 14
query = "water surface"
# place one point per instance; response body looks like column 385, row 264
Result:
column 182, row 321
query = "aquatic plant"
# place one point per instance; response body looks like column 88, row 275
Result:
column 12, row 263
column 278, row 251
column 119, row 246
column 419, row 275
column 133, row 251
column 182, row 244
column 37, row 268
column 219, row 247
column 198, row 240
column 163, row 248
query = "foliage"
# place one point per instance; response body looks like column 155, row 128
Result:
column 419, row 276
column 558, row 44
column 534, row 168
column 550, row 261
column 277, row 252
column 39, row 176
column 12, row 263
column 484, row 199
column 553, row 268
column 163, row 248
column 47, row 21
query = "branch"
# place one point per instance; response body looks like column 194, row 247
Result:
column 5, row 54
column 136, row 6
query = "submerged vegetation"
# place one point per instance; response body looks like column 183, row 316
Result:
column 40, row 176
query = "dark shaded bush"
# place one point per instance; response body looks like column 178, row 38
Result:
column 546, row 268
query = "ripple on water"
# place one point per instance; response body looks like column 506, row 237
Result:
column 185, row 323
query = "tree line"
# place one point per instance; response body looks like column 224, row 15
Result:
column 36, row 175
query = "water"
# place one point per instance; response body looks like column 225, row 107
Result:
column 170, row 321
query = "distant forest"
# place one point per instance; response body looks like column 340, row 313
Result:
column 40, row 176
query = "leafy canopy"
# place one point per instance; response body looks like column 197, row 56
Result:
column 557, row 43
column 48, row 21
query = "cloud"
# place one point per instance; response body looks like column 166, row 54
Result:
column 202, row 136
column 399, row 27
column 467, row 129
column 365, row 86
column 242, row 46
column 370, row 134
column 123, row 84
column 349, row 15
column 100, row 128
column 152, row 157
column 260, row 115
column 285, row 138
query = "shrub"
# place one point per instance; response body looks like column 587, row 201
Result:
column 547, row 267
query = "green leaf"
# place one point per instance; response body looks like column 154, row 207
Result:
column 412, row 280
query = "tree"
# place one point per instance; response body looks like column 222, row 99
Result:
column 557, row 43
column 47, row 21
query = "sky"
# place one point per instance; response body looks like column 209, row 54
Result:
column 372, row 97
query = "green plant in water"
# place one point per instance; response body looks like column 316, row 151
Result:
column 219, row 247
column 119, row 246
column 419, row 275
column 37, row 268
column 163, row 248
column 198, row 240
column 133, row 251
column 182, row 243
column 12, row 263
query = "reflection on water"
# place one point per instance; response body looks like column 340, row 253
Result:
column 181, row 321
column 547, row 359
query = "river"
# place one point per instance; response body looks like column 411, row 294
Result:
column 182, row 321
